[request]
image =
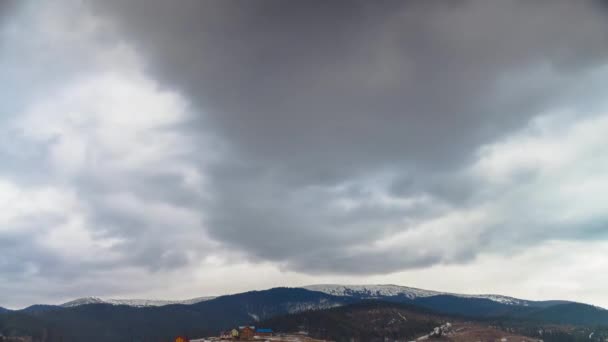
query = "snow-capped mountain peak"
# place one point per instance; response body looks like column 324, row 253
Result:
column 379, row 291
column 83, row 301
column 132, row 302
column 371, row 291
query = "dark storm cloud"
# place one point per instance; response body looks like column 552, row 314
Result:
column 6, row 8
column 309, row 97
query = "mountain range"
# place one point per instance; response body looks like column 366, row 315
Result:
column 355, row 291
column 94, row 319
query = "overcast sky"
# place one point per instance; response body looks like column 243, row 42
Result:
column 175, row 149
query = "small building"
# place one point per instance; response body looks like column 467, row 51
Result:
column 234, row 334
column 246, row 332
column 263, row 332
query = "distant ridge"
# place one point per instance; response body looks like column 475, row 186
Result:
column 389, row 290
column 133, row 302
column 379, row 291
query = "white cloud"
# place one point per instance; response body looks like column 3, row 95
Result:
column 554, row 171
column 19, row 203
column 107, row 120
column 110, row 182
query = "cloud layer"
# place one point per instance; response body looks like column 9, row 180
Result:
column 340, row 139
column 350, row 123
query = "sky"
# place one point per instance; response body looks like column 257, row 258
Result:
column 176, row 149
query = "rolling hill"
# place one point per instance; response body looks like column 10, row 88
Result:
column 377, row 321
column 571, row 313
column 364, row 321
column 110, row 322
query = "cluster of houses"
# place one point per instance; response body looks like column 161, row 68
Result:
column 246, row 332
column 251, row 333
column 242, row 333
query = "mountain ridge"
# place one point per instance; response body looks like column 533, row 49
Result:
column 133, row 302
column 101, row 322
column 369, row 291
column 390, row 290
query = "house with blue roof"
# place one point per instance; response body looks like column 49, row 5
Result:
column 263, row 332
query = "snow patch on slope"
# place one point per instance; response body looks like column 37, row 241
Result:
column 297, row 307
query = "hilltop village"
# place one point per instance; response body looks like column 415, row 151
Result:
column 251, row 333
column 462, row 332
